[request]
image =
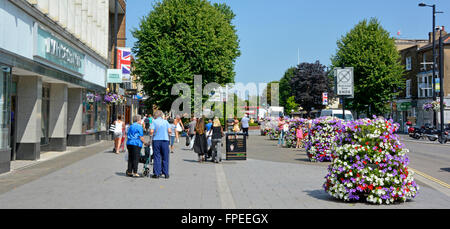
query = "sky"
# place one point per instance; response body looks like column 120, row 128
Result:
column 273, row 32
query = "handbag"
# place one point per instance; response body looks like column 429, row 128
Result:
column 179, row 129
column 112, row 128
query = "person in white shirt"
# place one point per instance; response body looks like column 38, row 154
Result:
column 118, row 133
column 245, row 125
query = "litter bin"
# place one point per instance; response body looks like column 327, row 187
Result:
column 236, row 146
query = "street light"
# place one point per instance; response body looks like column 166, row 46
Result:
column 434, row 54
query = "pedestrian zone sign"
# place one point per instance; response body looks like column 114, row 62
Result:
column 344, row 81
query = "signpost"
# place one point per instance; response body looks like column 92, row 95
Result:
column 344, row 84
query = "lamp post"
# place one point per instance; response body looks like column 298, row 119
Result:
column 441, row 84
column 434, row 54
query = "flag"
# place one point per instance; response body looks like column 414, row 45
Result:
column 124, row 61
column 398, row 33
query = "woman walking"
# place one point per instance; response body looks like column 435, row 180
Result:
column 217, row 134
column 179, row 127
column 200, row 144
column 281, row 123
column 119, row 128
column 135, row 140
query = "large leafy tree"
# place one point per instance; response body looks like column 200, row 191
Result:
column 285, row 86
column 182, row 38
column 308, row 83
column 370, row 50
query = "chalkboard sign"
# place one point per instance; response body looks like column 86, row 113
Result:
column 236, row 146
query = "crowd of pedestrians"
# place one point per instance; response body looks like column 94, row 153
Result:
column 203, row 136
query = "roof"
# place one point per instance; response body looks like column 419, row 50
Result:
column 446, row 41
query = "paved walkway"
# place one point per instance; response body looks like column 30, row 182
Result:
column 99, row 181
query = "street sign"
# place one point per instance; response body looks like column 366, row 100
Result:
column 325, row 98
column 114, row 76
column 344, row 81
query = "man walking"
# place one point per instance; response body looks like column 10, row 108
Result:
column 245, row 125
column 160, row 131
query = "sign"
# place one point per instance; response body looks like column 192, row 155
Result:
column 437, row 85
column 56, row 51
column 344, row 81
column 236, row 146
column 114, row 76
column 325, row 98
column 124, row 63
column 405, row 106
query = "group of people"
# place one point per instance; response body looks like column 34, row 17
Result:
column 283, row 128
column 159, row 130
column 205, row 138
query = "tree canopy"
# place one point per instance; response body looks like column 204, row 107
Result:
column 308, row 83
column 371, row 52
column 182, row 38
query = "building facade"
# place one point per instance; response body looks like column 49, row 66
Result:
column 417, row 56
column 54, row 56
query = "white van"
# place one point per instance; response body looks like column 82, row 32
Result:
column 337, row 113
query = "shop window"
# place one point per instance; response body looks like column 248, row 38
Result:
column 425, row 87
column 5, row 79
column 408, row 89
column 408, row 63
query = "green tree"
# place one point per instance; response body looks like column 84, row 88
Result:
column 291, row 105
column 268, row 91
column 378, row 73
column 182, row 38
column 285, row 86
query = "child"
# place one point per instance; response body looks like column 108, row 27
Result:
column 299, row 136
column 172, row 135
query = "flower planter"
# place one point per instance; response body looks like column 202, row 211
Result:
column 370, row 165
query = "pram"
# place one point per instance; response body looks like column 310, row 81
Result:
column 146, row 159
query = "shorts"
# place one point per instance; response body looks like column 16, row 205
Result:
column 117, row 135
column 172, row 140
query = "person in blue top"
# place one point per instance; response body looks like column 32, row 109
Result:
column 160, row 131
column 135, row 140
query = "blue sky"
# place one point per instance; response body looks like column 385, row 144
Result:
column 271, row 32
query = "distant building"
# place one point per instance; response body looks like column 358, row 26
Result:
column 416, row 56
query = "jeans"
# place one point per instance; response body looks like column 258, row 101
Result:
column 134, row 152
column 160, row 157
column 281, row 138
column 216, row 149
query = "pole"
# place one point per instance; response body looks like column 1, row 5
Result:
column 343, row 100
column 434, row 63
column 441, row 82
column 115, row 52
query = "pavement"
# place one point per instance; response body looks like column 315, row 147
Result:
column 271, row 178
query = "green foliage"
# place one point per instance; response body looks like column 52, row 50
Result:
column 290, row 105
column 182, row 38
column 285, row 86
column 268, row 91
column 378, row 73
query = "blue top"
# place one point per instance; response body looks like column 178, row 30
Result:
column 208, row 126
column 161, row 128
column 135, row 132
column 172, row 127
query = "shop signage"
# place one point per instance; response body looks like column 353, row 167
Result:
column 58, row 52
column 405, row 106
column 344, row 81
column 114, row 76
column 324, row 98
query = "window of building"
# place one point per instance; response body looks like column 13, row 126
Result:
column 408, row 88
column 425, row 87
column 5, row 78
column 408, row 63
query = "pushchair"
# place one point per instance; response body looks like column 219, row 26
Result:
column 146, row 159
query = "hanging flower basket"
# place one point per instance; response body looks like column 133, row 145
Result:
column 112, row 98
column 371, row 165
column 433, row 106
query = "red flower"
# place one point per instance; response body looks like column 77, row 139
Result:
column 376, row 163
column 371, row 187
column 367, row 143
column 379, row 187
column 364, row 162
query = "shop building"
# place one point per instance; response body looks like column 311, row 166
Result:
column 417, row 56
column 53, row 59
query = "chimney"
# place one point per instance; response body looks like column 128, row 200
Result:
column 430, row 35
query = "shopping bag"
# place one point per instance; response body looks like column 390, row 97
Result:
column 191, row 145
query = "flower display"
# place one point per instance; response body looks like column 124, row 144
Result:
column 370, row 165
column 91, row 97
column 113, row 98
column 271, row 128
column 324, row 138
column 435, row 105
column 291, row 136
